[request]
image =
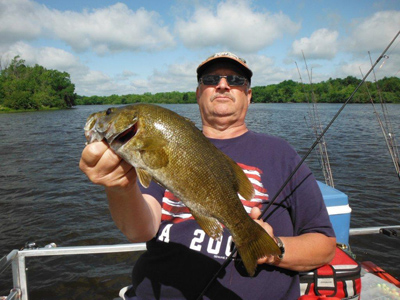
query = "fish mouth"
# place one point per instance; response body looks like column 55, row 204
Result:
column 92, row 136
column 98, row 129
column 118, row 140
column 91, row 132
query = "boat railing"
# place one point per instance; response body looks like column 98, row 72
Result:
column 385, row 230
column 17, row 259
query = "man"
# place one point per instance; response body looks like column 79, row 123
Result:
column 181, row 259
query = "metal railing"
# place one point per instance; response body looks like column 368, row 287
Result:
column 386, row 230
column 17, row 259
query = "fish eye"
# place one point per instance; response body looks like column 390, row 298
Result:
column 109, row 111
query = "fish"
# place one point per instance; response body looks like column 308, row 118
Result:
column 169, row 149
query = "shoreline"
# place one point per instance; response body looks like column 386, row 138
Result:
column 6, row 110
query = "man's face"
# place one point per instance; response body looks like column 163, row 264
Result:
column 221, row 103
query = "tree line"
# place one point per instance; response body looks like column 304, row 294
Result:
column 330, row 91
column 24, row 87
column 161, row 98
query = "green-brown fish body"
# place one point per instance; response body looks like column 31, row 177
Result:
column 172, row 151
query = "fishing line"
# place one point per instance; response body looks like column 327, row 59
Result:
column 230, row 257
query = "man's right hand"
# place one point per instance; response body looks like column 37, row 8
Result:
column 104, row 167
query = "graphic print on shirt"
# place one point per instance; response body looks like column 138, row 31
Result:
column 175, row 211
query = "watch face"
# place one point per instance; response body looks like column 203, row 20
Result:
column 281, row 247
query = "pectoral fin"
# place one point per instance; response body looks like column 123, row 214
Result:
column 155, row 159
column 150, row 143
column 152, row 151
column 211, row 226
column 144, row 177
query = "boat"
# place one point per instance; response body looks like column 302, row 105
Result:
column 375, row 282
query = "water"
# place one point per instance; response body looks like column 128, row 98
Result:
column 45, row 198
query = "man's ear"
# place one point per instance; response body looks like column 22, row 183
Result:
column 249, row 96
column 197, row 94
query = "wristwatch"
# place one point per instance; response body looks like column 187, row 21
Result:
column 281, row 247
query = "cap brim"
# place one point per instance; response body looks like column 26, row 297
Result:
column 247, row 72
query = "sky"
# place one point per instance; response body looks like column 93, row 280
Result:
column 136, row 47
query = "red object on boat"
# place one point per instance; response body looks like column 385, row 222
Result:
column 323, row 297
column 341, row 278
column 370, row 267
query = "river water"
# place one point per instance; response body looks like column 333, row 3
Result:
column 45, row 198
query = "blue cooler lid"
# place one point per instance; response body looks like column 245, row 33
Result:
column 332, row 196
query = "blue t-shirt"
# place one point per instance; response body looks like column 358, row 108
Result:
column 182, row 259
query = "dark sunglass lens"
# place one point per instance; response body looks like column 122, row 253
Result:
column 236, row 80
column 210, row 79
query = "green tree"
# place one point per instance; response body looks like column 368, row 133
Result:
column 25, row 87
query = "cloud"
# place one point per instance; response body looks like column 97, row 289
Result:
column 266, row 72
column 87, row 82
column 125, row 75
column 388, row 66
column 177, row 77
column 233, row 25
column 49, row 57
column 322, row 44
column 111, row 29
column 373, row 33
column 19, row 20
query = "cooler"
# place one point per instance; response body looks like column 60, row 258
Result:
column 339, row 211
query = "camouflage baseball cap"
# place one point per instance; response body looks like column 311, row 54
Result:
column 225, row 56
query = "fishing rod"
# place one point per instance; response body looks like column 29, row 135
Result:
column 388, row 130
column 390, row 143
column 316, row 126
column 234, row 250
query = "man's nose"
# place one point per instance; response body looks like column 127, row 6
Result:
column 223, row 84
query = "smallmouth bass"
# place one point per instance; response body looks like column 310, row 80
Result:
column 169, row 149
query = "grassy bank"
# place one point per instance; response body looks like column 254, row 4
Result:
column 4, row 110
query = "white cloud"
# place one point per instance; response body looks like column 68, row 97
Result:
column 266, row 71
column 125, row 75
column 373, row 33
column 19, row 19
column 235, row 26
column 98, row 83
column 48, row 57
column 111, row 29
column 87, row 82
column 354, row 68
column 388, row 66
column 177, row 77
column 322, row 44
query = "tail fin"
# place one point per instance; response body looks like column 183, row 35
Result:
column 260, row 246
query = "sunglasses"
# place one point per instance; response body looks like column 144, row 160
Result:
column 233, row 80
